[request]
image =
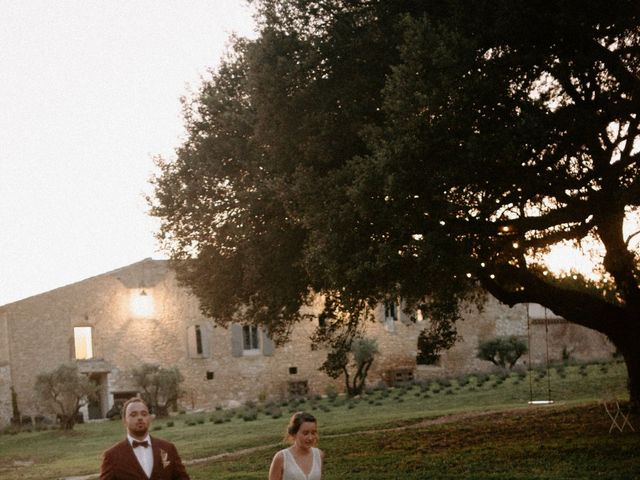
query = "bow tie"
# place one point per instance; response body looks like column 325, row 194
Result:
column 136, row 443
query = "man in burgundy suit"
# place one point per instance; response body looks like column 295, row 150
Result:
column 140, row 456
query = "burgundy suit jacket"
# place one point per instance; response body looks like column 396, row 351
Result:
column 120, row 463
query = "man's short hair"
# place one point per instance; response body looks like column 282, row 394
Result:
column 129, row 402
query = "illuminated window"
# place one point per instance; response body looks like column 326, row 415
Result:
column 83, row 342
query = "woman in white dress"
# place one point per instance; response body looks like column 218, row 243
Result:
column 302, row 460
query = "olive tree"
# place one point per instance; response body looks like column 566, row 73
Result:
column 64, row 391
column 503, row 352
column 160, row 387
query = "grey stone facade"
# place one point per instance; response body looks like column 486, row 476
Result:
column 37, row 334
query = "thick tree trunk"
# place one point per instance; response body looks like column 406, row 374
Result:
column 67, row 422
column 620, row 323
column 627, row 341
column 632, row 359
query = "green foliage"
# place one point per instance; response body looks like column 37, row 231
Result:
column 352, row 359
column 62, row 455
column 502, row 351
column 249, row 414
column 331, row 392
column 160, row 387
column 414, row 149
column 63, row 391
column 441, row 336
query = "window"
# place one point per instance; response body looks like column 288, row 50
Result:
column 198, row 341
column 390, row 310
column 249, row 340
column 83, row 342
column 293, row 370
column 250, row 337
column 390, row 315
column 298, row 389
column 398, row 376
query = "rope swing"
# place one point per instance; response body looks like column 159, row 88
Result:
column 546, row 341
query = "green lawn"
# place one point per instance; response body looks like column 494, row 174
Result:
column 471, row 427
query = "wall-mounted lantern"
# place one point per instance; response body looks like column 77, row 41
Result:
column 141, row 303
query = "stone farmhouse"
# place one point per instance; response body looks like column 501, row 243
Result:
column 114, row 322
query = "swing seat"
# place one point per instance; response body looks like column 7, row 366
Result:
column 619, row 415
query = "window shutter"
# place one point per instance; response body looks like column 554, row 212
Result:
column 205, row 340
column 236, row 340
column 268, row 346
column 206, row 331
column 402, row 315
column 191, row 341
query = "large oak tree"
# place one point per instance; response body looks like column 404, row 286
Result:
column 367, row 149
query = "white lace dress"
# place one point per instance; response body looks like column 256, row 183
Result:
column 292, row 470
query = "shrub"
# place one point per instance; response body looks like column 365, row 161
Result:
column 274, row 411
column 463, row 381
column 353, row 360
column 63, row 391
column 502, row 351
column 160, row 387
column 332, row 392
column 482, row 379
column 249, row 415
column 444, row 382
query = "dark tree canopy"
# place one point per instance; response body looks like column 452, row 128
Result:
column 422, row 149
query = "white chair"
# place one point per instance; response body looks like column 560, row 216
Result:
column 619, row 416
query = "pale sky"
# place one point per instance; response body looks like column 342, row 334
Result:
column 89, row 94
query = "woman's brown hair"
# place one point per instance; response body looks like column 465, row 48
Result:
column 296, row 421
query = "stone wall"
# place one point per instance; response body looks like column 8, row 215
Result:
column 39, row 336
column 6, row 410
